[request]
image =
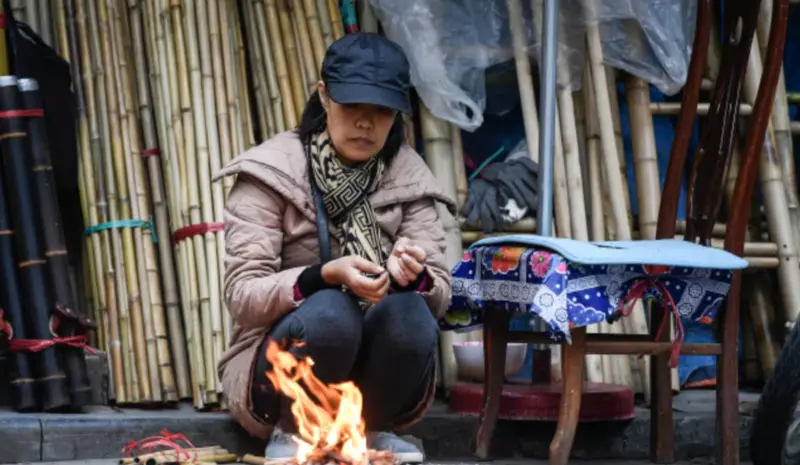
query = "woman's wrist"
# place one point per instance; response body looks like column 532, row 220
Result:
column 329, row 274
column 313, row 279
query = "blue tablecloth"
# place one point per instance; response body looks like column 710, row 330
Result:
column 567, row 294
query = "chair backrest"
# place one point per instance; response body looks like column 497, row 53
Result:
column 712, row 159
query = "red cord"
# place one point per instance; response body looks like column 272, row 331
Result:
column 33, row 113
column 166, row 439
column 37, row 345
column 636, row 292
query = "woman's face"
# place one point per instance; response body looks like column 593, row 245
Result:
column 357, row 131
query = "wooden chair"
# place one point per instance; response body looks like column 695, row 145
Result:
column 705, row 191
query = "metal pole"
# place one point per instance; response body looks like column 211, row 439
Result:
column 547, row 129
column 547, row 121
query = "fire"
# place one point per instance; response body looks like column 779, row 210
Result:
column 328, row 417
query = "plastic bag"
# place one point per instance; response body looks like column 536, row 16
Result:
column 451, row 44
column 650, row 39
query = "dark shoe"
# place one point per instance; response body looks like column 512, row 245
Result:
column 404, row 451
column 281, row 446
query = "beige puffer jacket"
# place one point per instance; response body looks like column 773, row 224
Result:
column 270, row 237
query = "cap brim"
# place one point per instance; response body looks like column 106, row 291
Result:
column 347, row 93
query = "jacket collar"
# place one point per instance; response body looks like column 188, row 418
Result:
column 280, row 163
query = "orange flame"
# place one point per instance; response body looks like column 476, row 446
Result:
column 328, row 417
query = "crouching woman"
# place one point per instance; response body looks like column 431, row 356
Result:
column 369, row 313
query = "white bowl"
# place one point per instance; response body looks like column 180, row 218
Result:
column 469, row 359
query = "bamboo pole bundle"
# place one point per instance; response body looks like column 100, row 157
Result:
column 68, row 322
column 107, row 265
column 29, row 246
column 167, row 98
column 129, row 186
column 128, row 303
column 157, row 191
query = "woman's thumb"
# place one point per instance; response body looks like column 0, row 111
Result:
column 366, row 266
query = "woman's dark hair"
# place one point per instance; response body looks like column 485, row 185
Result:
column 313, row 120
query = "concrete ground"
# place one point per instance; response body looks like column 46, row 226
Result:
column 102, row 432
column 498, row 462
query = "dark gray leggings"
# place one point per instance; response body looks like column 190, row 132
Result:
column 389, row 352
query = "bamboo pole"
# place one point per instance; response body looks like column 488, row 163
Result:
column 335, row 15
column 516, row 22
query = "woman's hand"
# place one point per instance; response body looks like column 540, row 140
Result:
column 349, row 271
column 406, row 262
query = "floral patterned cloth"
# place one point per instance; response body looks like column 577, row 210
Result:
column 570, row 295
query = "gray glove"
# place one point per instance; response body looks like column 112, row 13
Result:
column 484, row 201
column 518, row 180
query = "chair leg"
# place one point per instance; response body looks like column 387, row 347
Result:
column 728, row 380
column 571, row 392
column 662, row 428
column 495, row 331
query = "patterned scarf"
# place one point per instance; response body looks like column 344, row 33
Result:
column 345, row 191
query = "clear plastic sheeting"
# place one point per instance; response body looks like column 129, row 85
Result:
column 452, row 44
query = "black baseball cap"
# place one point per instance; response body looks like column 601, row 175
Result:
column 365, row 67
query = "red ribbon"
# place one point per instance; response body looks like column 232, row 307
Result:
column 196, row 230
column 637, row 292
column 34, row 113
column 37, row 345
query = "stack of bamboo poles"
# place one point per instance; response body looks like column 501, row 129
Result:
column 165, row 92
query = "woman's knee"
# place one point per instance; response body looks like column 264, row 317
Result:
column 328, row 326
column 403, row 320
